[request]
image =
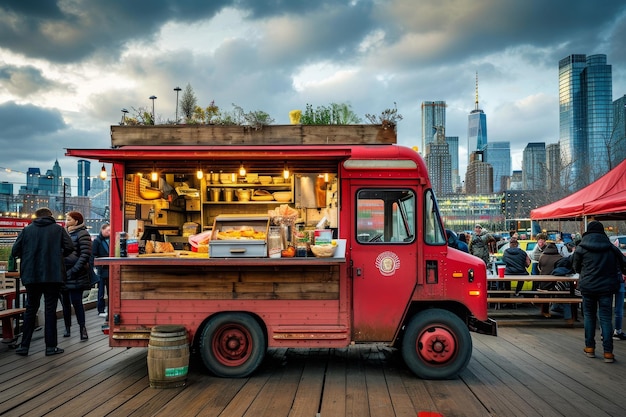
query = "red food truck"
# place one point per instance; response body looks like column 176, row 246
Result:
column 383, row 273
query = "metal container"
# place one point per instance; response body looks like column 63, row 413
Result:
column 228, row 194
column 214, row 194
column 239, row 247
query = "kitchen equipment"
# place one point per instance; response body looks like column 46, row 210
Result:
column 282, row 196
column 244, row 194
column 237, row 236
column 214, row 194
column 228, row 194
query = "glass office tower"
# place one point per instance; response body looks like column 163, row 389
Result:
column 84, row 184
column 585, row 118
column 433, row 115
column 476, row 128
column 498, row 155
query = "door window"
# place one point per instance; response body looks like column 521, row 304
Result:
column 385, row 216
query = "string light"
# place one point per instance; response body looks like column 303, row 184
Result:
column 285, row 171
column 103, row 173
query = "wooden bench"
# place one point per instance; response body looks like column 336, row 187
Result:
column 7, row 316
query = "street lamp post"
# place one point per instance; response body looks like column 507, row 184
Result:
column 177, row 89
column 153, row 119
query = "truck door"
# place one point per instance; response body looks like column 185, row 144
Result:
column 384, row 259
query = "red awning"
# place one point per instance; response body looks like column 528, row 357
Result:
column 603, row 199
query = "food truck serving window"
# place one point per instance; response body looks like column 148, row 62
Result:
column 385, row 216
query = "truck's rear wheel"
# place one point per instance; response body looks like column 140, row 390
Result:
column 436, row 345
column 232, row 345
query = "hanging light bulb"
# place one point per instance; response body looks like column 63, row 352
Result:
column 154, row 176
column 103, row 173
column 326, row 177
column 285, row 171
column 199, row 174
column 242, row 170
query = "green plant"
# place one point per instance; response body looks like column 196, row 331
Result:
column 334, row 114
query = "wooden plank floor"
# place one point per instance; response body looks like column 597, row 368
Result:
column 525, row 371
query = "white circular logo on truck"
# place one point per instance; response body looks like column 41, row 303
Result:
column 387, row 263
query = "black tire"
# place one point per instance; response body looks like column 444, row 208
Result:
column 436, row 345
column 232, row 345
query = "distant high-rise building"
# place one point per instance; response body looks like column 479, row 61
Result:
column 84, row 168
column 619, row 131
column 433, row 115
column 553, row 166
column 453, row 147
column 479, row 175
column 32, row 180
column 498, row 155
column 438, row 164
column 534, row 166
column 585, row 117
column 57, row 183
column 516, row 180
column 476, row 128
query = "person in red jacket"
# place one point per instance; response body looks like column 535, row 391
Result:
column 41, row 247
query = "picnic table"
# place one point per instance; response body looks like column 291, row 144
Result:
column 13, row 310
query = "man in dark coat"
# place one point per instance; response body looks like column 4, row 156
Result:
column 599, row 264
column 41, row 247
column 516, row 260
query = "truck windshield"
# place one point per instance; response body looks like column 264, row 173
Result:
column 433, row 231
column 385, row 216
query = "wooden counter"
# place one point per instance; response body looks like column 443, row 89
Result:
column 189, row 278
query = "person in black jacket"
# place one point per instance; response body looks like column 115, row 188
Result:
column 78, row 274
column 100, row 249
column 599, row 264
column 41, row 247
column 516, row 260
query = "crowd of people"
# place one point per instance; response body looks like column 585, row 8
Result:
column 600, row 264
column 56, row 263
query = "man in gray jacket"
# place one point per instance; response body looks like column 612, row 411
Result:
column 41, row 247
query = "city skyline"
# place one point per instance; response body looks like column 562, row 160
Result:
column 65, row 91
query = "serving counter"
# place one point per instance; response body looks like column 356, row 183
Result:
column 193, row 278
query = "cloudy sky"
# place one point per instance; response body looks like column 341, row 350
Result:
column 68, row 67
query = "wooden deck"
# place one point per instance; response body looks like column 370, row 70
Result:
column 525, row 371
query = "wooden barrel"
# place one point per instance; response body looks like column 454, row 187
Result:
column 168, row 356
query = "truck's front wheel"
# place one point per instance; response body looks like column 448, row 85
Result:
column 232, row 345
column 436, row 345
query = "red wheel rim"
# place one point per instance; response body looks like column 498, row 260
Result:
column 232, row 344
column 436, row 345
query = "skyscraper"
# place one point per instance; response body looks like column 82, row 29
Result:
column 438, row 164
column 84, row 185
column 479, row 175
column 498, row 155
column 453, row 148
column 585, row 118
column 619, row 131
column 476, row 128
column 534, row 166
column 433, row 115
column 553, row 166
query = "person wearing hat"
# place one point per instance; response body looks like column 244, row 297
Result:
column 600, row 265
column 478, row 245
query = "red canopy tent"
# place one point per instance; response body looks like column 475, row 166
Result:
column 604, row 199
